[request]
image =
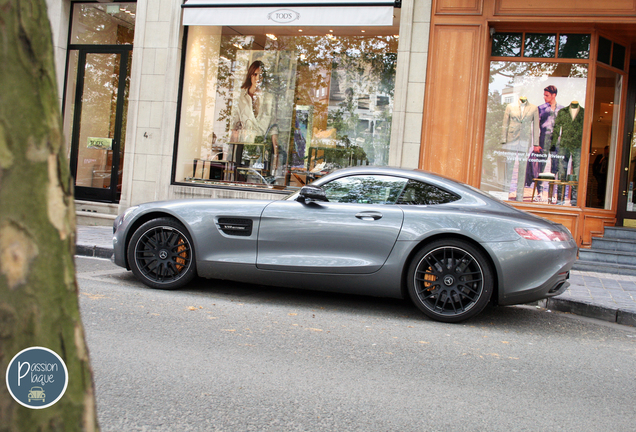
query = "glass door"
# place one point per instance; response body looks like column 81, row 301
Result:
column 626, row 215
column 99, row 122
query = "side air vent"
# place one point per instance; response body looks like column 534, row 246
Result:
column 236, row 227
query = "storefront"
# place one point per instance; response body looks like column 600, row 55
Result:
column 531, row 105
column 532, row 102
column 167, row 99
column 273, row 97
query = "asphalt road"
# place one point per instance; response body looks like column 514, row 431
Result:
column 222, row 356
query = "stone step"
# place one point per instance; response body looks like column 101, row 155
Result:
column 608, row 257
column 95, row 213
column 614, row 244
column 620, row 233
column 94, row 219
column 97, row 207
column 603, row 267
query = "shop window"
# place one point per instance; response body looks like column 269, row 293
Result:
column 603, row 138
column 611, row 53
column 103, row 23
column 532, row 146
column 574, row 46
column 618, row 57
column 507, row 44
column 540, row 45
column 278, row 109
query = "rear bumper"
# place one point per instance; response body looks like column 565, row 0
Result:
column 554, row 286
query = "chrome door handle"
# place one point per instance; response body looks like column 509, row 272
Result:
column 369, row 215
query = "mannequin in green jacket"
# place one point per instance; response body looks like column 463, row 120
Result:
column 567, row 139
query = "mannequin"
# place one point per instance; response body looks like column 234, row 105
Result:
column 520, row 132
column 567, row 139
column 541, row 152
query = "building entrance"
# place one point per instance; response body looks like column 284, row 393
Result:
column 626, row 215
column 99, row 122
column 96, row 97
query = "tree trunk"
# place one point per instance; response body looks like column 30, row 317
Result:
column 38, row 291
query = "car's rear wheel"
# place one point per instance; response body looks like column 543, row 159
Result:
column 450, row 280
column 161, row 255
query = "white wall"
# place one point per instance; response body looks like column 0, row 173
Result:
column 152, row 105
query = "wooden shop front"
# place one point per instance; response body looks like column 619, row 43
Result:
column 533, row 102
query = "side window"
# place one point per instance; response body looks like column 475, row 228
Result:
column 368, row 189
column 418, row 193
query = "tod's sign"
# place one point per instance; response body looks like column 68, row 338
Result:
column 283, row 16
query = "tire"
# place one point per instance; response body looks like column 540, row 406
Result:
column 161, row 255
column 450, row 280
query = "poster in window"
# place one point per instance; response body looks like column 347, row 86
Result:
column 534, row 132
column 262, row 107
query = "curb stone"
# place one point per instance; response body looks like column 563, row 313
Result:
column 592, row 311
column 93, row 251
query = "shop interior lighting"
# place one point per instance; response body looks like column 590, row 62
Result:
column 300, row 30
column 271, row 36
column 363, row 31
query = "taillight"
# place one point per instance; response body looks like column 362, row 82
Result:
column 541, row 234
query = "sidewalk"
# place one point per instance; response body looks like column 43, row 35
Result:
column 604, row 296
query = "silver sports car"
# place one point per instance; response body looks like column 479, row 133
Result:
column 387, row 232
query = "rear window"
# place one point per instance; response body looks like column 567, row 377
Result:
column 418, row 193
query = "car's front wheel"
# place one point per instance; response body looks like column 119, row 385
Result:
column 161, row 255
column 450, row 280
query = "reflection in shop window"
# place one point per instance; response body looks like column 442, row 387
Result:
column 532, row 146
column 574, row 46
column 279, row 112
column 103, row 23
column 540, row 45
column 506, row 44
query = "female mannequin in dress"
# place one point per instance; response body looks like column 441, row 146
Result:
column 254, row 110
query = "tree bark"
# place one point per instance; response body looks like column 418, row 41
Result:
column 38, row 291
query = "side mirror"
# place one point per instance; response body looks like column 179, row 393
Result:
column 312, row 193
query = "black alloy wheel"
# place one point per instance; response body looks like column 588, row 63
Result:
column 450, row 280
column 161, row 255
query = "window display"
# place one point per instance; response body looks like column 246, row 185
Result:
column 534, row 131
column 279, row 109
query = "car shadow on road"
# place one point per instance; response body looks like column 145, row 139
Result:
column 508, row 318
column 378, row 307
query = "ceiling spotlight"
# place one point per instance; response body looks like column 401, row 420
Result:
column 271, row 36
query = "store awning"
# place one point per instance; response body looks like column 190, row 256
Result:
column 288, row 12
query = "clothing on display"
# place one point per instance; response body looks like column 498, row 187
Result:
column 567, row 140
column 539, row 157
column 520, row 132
